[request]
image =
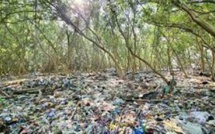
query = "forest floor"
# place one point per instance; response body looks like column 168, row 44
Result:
column 102, row 103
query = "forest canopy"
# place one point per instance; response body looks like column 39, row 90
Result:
column 88, row 35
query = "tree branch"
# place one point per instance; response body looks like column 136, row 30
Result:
column 202, row 23
column 202, row 1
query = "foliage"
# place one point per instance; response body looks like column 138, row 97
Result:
column 66, row 36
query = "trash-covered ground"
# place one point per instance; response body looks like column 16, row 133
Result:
column 102, row 103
